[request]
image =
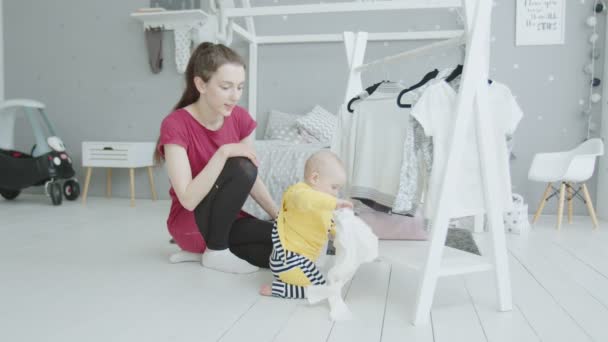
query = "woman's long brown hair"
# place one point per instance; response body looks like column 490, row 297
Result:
column 204, row 62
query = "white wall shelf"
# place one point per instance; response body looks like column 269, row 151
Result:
column 168, row 20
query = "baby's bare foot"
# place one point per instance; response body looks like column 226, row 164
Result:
column 266, row 290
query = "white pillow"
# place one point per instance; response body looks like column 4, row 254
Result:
column 319, row 123
column 282, row 126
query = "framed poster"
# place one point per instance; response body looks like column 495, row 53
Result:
column 540, row 22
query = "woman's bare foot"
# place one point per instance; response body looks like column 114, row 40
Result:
column 266, row 290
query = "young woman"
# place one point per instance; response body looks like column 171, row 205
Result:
column 207, row 144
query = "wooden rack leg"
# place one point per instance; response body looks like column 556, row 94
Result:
column 132, row 176
column 152, row 187
column 87, row 180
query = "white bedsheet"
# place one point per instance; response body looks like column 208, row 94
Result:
column 281, row 164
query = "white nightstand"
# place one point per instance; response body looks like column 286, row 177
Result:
column 110, row 155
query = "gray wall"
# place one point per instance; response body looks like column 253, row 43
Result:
column 86, row 60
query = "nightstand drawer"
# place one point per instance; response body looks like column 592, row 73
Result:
column 117, row 154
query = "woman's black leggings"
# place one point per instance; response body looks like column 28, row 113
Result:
column 216, row 215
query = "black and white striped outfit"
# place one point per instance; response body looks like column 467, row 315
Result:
column 283, row 261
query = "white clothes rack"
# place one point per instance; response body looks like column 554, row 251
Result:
column 472, row 99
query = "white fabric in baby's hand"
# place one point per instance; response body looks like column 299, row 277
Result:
column 355, row 244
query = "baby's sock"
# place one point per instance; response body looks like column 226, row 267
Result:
column 224, row 261
column 183, row 256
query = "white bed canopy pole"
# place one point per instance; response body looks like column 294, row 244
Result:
column 225, row 31
column 253, row 63
column 355, row 45
column 474, row 77
column 253, row 80
column 226, row 24
column 213, row 6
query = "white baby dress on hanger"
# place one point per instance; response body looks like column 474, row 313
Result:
column 435, row 111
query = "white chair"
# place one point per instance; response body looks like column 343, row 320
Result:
column 569, row 167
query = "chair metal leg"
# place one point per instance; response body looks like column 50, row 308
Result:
column 542, row 203
column 560, row 206
column 590, row 206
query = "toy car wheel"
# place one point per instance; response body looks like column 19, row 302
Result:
column 71, row 190
column 55, row 192
column 9, row 194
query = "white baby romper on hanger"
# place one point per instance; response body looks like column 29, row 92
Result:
column 435, row 112
column 378, row 129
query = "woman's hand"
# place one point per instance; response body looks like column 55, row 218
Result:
column 340, row 203
column 239, row 150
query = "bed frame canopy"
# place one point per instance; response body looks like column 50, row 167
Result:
column 433, row 260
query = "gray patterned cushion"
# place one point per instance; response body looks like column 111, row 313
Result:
column 282, row 126
column 319, row 123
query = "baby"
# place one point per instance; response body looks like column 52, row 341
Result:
column 302, row 228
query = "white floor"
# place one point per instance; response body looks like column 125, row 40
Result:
column 100, row 273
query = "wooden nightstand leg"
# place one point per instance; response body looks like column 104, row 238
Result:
column 152, row 187
column 87, row 180
column 109, row 183
column 132, row 176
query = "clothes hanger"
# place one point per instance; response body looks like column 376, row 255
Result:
column 369, row 90
column 457, row 72
column 429, row 76
column 385, row 70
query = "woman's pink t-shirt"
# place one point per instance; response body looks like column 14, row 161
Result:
column 182, row 129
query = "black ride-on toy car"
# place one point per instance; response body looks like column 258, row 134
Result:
column 47, row 164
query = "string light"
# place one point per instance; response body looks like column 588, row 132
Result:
column 594, row 97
